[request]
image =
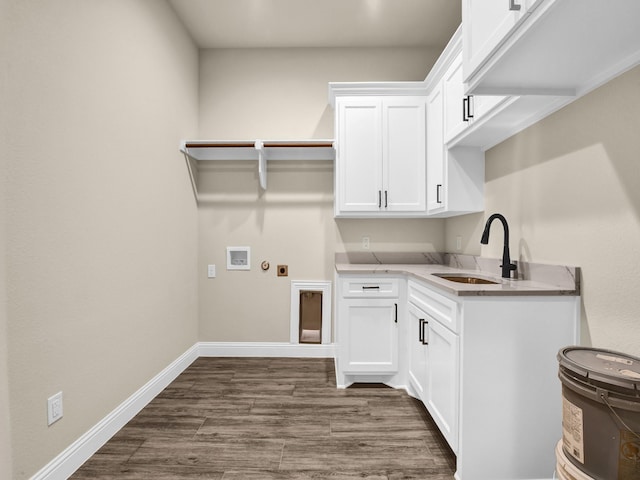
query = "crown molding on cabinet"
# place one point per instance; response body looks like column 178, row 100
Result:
column 355, row 89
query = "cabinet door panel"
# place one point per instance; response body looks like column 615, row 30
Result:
column 359, row 155
column 417, row 352
column 454, row 97
column 404, row 156
column 486, row 24
column 435, row 151
column 443, row 378
column 370, row 343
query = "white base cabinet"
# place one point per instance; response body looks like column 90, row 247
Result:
column 367, row 330
column 443, row 379
column 434, row 351
column 484, row 367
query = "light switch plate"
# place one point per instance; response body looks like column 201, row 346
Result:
column 211, row 271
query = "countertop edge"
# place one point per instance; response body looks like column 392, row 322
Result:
column 425, row 273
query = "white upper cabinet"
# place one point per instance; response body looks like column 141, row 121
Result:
column 547, row 47
column 486, row 24
column 455, row 175
column 479, row 120
column 380, row 150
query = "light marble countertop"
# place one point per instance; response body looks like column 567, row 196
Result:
column 533, row 279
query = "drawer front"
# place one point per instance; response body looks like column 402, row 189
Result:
column 443, row 309
column 369, row 287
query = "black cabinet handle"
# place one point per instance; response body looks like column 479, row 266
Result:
column 420, row 330
column 396, row 312
column 467, row 113
column 372, row 287
column 379, row 198
column 514, row 6
column 465, row 102
column 423, row 339
column 386, row 203
column 438, row 188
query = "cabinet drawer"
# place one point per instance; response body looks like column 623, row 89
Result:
column 369, row 287
column 438, row 306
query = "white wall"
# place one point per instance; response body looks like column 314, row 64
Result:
column 101, row 224
column 283, row 94
column 570, row 188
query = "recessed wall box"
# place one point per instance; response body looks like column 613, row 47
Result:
column 238, row 258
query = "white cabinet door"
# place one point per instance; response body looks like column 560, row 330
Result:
column 486, row 24
column 435, row 151
column 417, row 351
column 381, row 156
column 442, row 399
column 359, row 155
column 460, row 110
column 368, row 336
column 457, row 111
column 404, row 156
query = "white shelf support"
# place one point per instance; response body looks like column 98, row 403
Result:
column 262, row 164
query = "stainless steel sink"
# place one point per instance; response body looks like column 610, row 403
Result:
column 470, row 280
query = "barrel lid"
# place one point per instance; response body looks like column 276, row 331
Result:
column 605, row 366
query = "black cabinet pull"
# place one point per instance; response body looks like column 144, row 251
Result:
column 513, row 6
column 371, row 287
column 467, row 113
column 420, row 330
column 379, row 198
column 386, row 203
column 438, row 188
column 423, row 339
column 396, row 313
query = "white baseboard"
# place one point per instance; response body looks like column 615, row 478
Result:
column 266, row 349
column 67, row 462
column 62, row 466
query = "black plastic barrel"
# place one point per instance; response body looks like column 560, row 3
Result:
column 601, row 412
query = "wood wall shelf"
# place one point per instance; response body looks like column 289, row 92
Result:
column 256, row 150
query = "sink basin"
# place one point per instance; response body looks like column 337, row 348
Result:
column 465, row 279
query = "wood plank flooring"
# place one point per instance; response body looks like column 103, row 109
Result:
column 274, row 419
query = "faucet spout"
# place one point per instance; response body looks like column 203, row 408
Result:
column 507, row 266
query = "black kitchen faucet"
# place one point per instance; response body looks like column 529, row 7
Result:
column 507, row 266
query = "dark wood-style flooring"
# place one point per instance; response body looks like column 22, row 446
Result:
column 274, row 419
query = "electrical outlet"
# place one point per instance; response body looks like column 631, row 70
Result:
column 54, row 408
column 458, row 243
column 366, row 243
column 211, row 271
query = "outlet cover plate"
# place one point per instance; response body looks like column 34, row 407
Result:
column 54, row 408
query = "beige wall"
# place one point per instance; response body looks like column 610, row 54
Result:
column 5, row 428
column 100, row 218
column 283, row 94
column 570, row 189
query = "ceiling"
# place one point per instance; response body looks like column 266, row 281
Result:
column 319, row 23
